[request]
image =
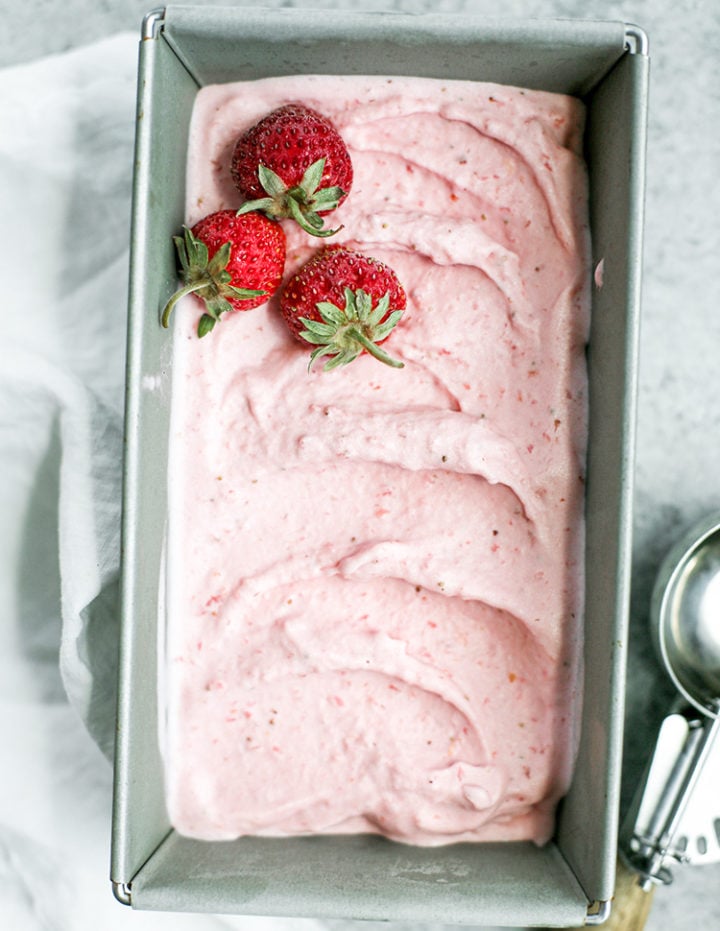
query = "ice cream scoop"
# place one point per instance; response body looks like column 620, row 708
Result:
column 673, row 820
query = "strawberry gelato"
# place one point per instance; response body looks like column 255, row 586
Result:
column 375, row 574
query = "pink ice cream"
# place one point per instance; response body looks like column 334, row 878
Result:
column 375, row 574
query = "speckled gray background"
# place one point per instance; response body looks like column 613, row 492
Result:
column 677, row 479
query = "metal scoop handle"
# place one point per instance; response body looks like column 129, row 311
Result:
column 671, row 780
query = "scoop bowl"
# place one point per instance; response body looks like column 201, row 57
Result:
column 685, row 615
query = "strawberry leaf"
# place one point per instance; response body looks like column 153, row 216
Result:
column 363, row 305
column 327, row 198
column 271, row 182
column 313, row 219
column 350, row 305
column 376, row 315
column 218, row 263
column 330, row 313
column 205, row 325
column 264, row 205
column 311, row 179
column 216, row 306
column 315, row 340
column 324, row 330
column 317, row 353
column 242, row 294
column 385, row 328
column 197, row 251
column 342, row 358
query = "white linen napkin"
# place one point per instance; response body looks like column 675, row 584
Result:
column 65, row 172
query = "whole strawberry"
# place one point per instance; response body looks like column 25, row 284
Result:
column 230, row 263
column 344, row 303
column 293, row 163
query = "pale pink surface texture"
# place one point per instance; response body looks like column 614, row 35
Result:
column 375, row 575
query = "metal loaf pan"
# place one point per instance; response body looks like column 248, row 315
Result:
column 571, row 880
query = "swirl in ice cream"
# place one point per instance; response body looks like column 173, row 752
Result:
column 376, row 574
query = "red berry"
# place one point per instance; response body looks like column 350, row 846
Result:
column 345, row 303
column 229, row 262
column 293, row 163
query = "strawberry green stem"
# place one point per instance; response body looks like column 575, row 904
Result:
column 188, row 289
column 373, row 348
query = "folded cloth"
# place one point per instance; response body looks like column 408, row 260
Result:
column 65, row 171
